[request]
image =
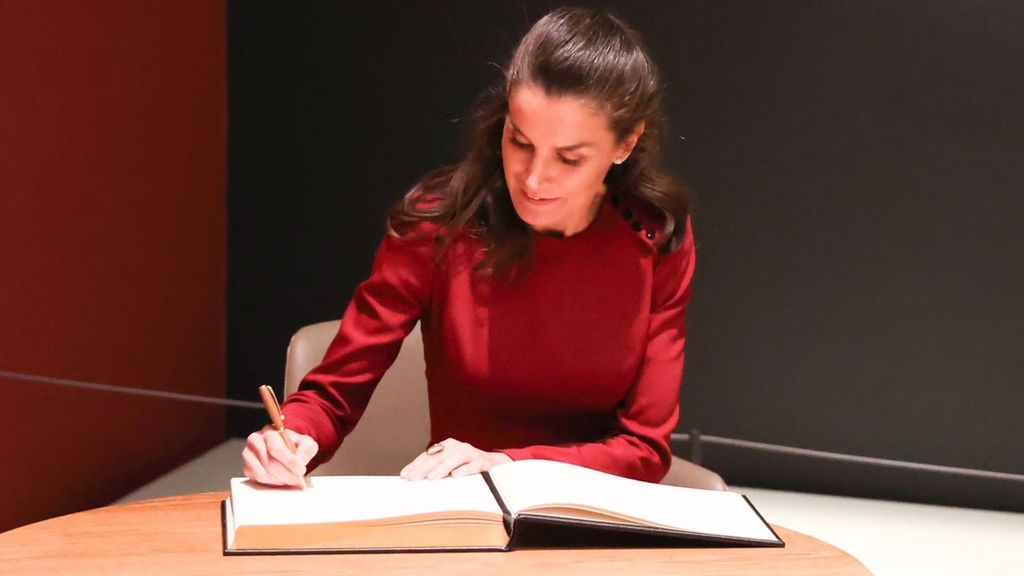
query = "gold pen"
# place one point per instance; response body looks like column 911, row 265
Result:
column 277, row 421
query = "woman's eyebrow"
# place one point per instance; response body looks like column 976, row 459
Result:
column 570, row 148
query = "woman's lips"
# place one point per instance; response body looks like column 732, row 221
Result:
column 538, row 200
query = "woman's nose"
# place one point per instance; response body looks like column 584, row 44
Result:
column 536, row 176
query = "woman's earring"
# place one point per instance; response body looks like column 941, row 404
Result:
column 621, row 160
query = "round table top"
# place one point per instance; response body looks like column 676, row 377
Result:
column 183, row 535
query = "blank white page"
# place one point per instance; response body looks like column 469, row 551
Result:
column 530, row 483
column 347, row 498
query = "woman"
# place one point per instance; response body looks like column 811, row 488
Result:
column 550, row 270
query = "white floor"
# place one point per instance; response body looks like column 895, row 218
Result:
column 890, row 538
column 893, row 538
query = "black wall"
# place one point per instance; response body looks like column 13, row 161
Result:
column 858, row 171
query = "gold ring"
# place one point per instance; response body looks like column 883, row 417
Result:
column 435, row 449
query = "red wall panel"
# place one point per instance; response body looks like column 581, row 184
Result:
column 112, row 243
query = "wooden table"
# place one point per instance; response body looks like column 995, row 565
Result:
column 182, row 535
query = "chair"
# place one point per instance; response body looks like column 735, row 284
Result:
column 396, row 424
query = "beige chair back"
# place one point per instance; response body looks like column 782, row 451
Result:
column 396, row 424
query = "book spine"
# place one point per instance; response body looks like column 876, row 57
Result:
column 505, row 514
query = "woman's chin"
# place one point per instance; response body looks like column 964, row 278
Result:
column 529, row 217
column 538, row 216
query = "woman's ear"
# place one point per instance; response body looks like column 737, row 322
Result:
column 630, row 142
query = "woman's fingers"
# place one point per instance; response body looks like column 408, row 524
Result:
column 482, row 463
column 306, row 447
column 267, row 460
column 443, row 466
column 450, row 458
column 255, row 460
column 278, row 450
column 471, row 467
column 425, row 461
column 443, row 457
column 253, row 468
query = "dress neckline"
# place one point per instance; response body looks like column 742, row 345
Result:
column 601, row 220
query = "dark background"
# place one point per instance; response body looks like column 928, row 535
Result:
column 858, row 176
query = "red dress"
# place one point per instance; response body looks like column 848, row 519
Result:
column 579, row 360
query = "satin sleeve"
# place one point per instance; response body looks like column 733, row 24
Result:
column 383, row 310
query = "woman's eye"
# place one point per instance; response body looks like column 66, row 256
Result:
column 520, row 144
column 527, row 146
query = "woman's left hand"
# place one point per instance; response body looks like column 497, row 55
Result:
column 451, row 458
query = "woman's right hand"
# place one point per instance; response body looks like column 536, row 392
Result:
column 267, row 460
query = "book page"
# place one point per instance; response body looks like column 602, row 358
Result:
column 532, row 484
column 354, row 498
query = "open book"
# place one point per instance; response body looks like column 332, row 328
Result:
column 527, row 503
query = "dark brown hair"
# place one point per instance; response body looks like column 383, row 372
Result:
column 569, row 52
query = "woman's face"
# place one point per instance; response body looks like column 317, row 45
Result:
column 556, row 152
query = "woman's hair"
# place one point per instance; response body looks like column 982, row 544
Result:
column 573, row 52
